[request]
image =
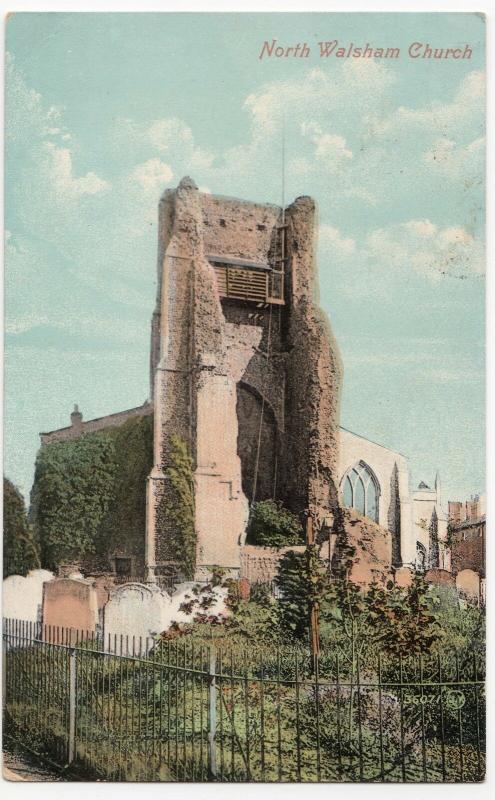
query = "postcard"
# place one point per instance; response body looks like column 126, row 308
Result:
column 244, row 490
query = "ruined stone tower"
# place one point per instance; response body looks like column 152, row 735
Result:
column 244, row 369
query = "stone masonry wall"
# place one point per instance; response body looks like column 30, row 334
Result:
column 221, row 361
column 314, row 375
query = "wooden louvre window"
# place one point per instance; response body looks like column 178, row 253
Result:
column 242, row 281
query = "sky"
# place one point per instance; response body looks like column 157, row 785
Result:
column 105, row 111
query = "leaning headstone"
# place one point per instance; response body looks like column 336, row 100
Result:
column 244, row 589
column 23, row 596
column 137, row 613
column 70, row 609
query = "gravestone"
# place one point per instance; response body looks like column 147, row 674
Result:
column 23, row 596
column 468, row 585
column 439, row 577
column 403, row 577
column 244, row 589
column 69, row 603
column 136, row 612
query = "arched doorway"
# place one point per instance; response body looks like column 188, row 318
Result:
column 256, row 432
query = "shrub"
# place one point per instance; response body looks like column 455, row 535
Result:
column 272, row 525
column 302, row 580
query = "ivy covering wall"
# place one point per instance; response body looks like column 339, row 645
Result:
column 89, row 495
column 177, row 507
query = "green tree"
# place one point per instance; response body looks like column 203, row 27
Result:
column 20, row 548
column 355, row 620
column 303, row 580
column 272, row 525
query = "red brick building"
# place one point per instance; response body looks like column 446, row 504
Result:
column 467, row 522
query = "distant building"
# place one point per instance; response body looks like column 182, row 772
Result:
column 375, row 481
column 467, row 526
column 469, row 510
column 430, row 524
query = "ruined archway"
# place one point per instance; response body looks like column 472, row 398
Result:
column 257, row 428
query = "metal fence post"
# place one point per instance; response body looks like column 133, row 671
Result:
column 72, row 704
column 4, row 667
column 212, row 712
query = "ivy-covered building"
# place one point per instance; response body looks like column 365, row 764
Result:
column 88, row 501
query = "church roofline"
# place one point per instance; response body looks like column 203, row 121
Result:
column 383, row 446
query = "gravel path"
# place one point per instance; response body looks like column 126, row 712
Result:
column 18, row 765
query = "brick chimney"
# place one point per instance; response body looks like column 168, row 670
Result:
column 76, row 419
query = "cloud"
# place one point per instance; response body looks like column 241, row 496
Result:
column 431, row 252
column 316, row 94
column 330, row 148
column 153, row 174
column 60, row 169
column 169, row 135
column 457, row 161
column 37, row 135
column 79, row 241
column 26, row 116
column 439, row 116
column 333, row 244
column 346, row 142
column 162, row 133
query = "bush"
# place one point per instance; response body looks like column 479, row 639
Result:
column 272, row 525
column 462, row 629
column 303, row 580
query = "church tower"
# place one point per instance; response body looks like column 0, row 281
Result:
column 245, row 372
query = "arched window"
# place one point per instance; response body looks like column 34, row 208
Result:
column 360, row 490
column 420, row 557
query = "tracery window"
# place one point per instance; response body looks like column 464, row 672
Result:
column 360, row 490
column 421, row 556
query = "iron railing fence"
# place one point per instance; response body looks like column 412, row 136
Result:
column 148, row 710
